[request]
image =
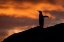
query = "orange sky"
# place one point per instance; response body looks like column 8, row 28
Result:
column 29, row 9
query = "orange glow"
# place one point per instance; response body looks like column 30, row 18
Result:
column 14, row 31
column 62, row 20
column 31, row 11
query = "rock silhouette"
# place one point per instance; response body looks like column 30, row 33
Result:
column 41, row 19
column 39, row 34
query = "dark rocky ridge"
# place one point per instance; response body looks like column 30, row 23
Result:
column 39, row 34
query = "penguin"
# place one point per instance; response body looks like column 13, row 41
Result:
column 41, row 19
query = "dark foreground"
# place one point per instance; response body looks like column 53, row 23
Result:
column 38, row 34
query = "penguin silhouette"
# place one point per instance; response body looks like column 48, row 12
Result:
column 41, row 19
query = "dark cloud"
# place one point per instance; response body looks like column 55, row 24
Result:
column 60, row 2
column 36, row 1
column 3, row 7
column 18, row 4
column 7, row 22
column 58, row 14
column 3, row 32
column 48, row 22
column 3, row 1
column 31, row 1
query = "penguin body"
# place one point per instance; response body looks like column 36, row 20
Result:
column 41, row 19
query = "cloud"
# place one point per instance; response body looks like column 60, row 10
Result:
column 35, row 1
column 58, row 14
column 19, row 4
column 28, row 4
column 3, row 1
column 7, row 22
column 3, row 34
column 30, row 1
column 10, row 22
column 3, row 7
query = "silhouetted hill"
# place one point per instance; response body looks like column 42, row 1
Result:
column 39, row 34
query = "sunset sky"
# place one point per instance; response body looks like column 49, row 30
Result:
column 19, row 15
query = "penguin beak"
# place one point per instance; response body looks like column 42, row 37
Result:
column 38, row 10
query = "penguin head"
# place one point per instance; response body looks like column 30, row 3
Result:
column 40, row 12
